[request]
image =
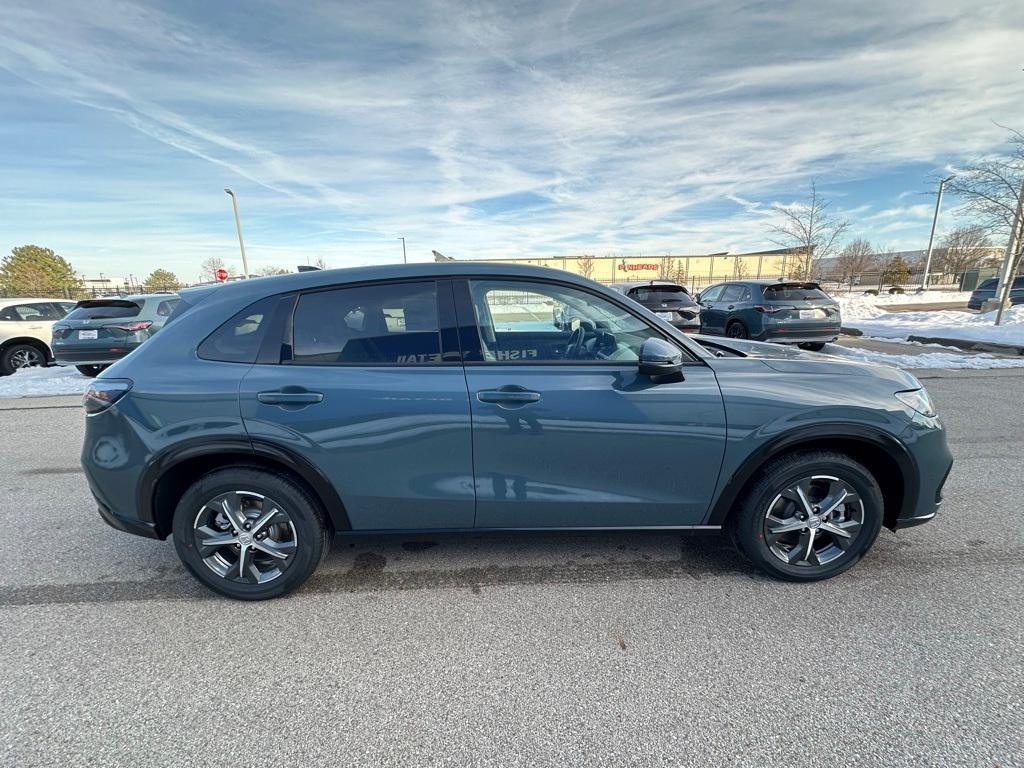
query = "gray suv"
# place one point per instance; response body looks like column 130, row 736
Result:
column 270, row 416
column 99, row 331
column 785, row 312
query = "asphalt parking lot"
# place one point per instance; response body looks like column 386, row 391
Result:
column 637, row 649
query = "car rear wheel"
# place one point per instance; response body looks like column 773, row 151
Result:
column 736, row 330
column 19, row 356
column 808, row 516
column 249, row 534
column 91, row 370
column 813, row 346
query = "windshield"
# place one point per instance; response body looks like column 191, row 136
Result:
column 111, row 311
column 793, row 292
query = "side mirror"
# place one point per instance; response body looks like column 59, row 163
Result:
column 659, row 358
column 697, row 297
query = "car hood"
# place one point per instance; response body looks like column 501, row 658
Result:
column 786, row 359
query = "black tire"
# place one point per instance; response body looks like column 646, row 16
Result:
column 736, row 330
column 748, row 526
column 91, row 370
column 312, row 538
column 813, row 346
column 16, row 355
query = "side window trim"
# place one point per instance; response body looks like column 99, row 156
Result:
column 470, row 332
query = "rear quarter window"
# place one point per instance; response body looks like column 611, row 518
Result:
column 166, row 307
column 239, row 339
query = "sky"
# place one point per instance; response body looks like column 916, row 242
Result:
column 485, row 129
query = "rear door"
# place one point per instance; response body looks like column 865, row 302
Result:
column 368, row 387
column 576, row 436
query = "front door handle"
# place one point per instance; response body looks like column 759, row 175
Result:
column 289, row 396
column 730, row 306
column 508, row 396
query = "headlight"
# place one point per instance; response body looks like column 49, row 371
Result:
column 918, row 400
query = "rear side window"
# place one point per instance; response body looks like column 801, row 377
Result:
column 238, row 340
column 368, row 325
column 789, row 292
column 165, row 307
column 96, row 310
column 986, row 285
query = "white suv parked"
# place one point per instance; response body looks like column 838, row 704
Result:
column 25, row 331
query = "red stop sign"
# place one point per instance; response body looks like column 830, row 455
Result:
column 221, row 274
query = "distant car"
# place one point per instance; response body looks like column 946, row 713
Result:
column 25, row 327
column 987, row 290
column 98, row 332
column 669, row 301
column 783, row 312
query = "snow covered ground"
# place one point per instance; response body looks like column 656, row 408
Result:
column 931, row 297
column 867, row 314
column 35, row 382
column 942, row 357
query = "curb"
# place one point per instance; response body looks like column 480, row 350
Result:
column 971, row 346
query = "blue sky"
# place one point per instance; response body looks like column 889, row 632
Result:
column 484, row 129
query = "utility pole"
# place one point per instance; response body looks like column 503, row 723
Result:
column 238, row 226
column 931, row 237
column 1006, row 276
column 404, row 260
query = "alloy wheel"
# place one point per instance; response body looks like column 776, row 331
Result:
column 26, row 357
column 245, row 537
column 813, row 521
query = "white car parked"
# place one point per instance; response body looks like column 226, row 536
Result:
column 25, row 331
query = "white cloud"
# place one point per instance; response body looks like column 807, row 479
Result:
column 647, row 127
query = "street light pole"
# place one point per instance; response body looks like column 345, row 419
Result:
column 238, row 226
column 931, row 237
column 1006, row 271
column 404, row 260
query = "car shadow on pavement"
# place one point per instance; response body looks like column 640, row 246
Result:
column 372, row 563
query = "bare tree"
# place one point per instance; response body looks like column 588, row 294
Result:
column 320, row 262
column 964, row 248
column 585, row 264
column 857, row 256
column 209, row 267
column 739, row 268
column 270, row 271
column 810, row 231
column 666, row 268
column 679, row 276
column 990, row 193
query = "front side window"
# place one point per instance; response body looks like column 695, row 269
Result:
column 393, row 324
column 540, row 322
column 712, row 293
column 29, row 313
column 732, row 293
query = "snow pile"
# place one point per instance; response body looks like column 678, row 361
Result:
column 36, row 382
column 945, row 324
column 946, row 360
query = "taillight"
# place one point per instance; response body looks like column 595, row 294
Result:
column 771, row 309
column 103, row 393
column 138, row 325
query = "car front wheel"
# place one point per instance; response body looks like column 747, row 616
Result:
column 248, row 533
column 19, row 356
column 808, row 516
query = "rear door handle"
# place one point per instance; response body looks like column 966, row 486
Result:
column 730, row 306
column 508, row 396
column 290, row 397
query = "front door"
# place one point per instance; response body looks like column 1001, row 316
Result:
column 371, row 391
column 566, row 431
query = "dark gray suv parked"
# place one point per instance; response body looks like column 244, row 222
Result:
column 785, row 312
column 270, row 415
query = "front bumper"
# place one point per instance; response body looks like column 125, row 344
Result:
column 926, row 440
